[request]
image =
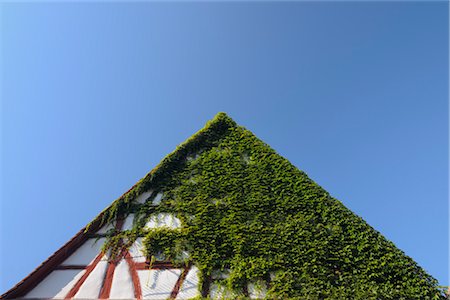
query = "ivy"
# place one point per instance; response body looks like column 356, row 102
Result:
column 167, row 244
column 246, row 209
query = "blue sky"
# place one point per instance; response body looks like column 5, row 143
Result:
column 94, row 95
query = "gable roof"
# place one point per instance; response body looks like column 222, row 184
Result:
column 246, row 209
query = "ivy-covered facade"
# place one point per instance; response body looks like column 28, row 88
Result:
column 248, row 212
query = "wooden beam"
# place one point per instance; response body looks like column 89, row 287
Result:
column 176, row 288
column 71, row 267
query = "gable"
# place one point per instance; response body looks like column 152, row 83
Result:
column 225, row 216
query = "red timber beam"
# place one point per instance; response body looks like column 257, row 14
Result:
column 107, row 280
column 132, row 266
column 179, row 283
column 112, row 263
column 74, row 290
column 71, row 267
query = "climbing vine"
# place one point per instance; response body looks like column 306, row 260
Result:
column 246, row 210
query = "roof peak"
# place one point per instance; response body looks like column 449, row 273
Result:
column 221, row 119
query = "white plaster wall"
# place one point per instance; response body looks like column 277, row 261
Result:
column 220, row 291
column 163, row 219
column 257, row 290
column 122, row 284
column 158, row 284
column 142, row 198
column 157, row 199
column 56, row 285
column 90, row 289
column 189, row 288
column 85, row 254
column 128, row 224
column 136, row 250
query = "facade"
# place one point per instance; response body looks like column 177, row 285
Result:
column 224, row 216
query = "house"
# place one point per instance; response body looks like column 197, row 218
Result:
column 225, row 216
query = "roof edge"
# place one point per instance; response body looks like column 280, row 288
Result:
column 46, row 267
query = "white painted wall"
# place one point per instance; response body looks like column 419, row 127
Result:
column 157, row 199
column 163, row 220
column 189, row 288
column 56, row 285
column 257, row 290
column 158, row 284
column 142, row 198
column 220, row 291
column 122, row 284
column 128, row 224
column 85, row 254
column 136, row 250
column 93, row 284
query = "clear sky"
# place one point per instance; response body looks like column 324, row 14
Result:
column 95, row 95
